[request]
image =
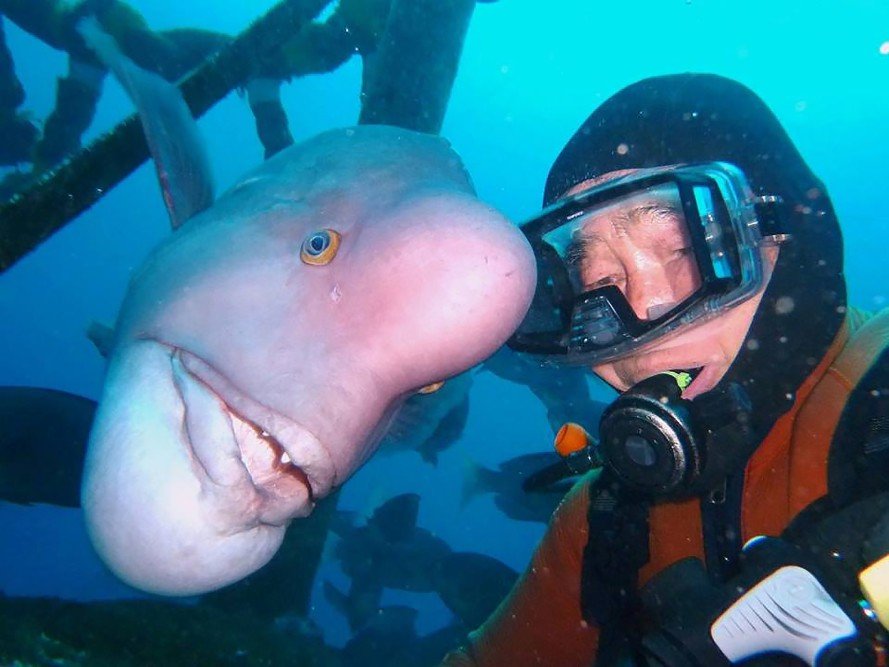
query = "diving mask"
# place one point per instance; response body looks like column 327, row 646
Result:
column 625, row 263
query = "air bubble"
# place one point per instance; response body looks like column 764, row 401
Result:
column 784, row 305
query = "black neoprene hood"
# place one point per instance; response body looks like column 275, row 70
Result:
column 687, row 118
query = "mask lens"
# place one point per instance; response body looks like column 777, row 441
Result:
column 625, row 262
column 595, row 323
column 640, row 243
column 715, row 233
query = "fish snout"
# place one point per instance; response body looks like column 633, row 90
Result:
column 239, row 439
column 463, row 279
column 181, row 494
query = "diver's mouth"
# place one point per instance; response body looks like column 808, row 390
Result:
column 281, row 457
column 705, row 378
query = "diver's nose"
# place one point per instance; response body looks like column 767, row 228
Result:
column 650, row 294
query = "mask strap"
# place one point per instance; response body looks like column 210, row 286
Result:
column 771, row 214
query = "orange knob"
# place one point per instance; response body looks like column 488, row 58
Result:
column 571, row 438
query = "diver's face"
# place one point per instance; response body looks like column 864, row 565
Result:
column 642, row 246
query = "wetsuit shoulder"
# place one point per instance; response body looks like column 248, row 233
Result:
column 540, row 622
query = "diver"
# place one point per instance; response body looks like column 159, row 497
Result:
column 688, row 255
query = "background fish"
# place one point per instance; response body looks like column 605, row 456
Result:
column 43, row 441
column 473, row 585
column 391, row 640
column 430, row 423
column 564, row 391
column 506, row 483
column 390, row 549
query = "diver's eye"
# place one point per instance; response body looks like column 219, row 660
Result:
column 320, row 247
column 431, row 388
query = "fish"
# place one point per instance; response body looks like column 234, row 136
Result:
column 563, row 390
column 429, row 423
column 472, row 585
column 391, row 640
column 359, row 604
column 508, row 484
column 42, row 448
column 388, row 551
column 42, row 445
column 383, row 639
column 264, row 347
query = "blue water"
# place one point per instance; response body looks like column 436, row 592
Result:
column 527, row 79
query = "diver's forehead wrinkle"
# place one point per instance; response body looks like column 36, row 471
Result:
column 622, row 223
column 660, row 210
column 586, row 233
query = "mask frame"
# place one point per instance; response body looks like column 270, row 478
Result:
column 727, row 226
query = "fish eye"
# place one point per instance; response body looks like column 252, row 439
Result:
column 431, row 388
column 320, row 247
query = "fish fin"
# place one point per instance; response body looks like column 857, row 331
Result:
column 343, row 521
column 102, row 337
column 428, row 453
column 473, row 482
column 337, row 599
column 363, row 600
column 478, row 368
column 484, row 367
column 180, row 158
column 357, row 606
column 400, row 432
column 496, row 361
column 446, row 433
column 396, row 519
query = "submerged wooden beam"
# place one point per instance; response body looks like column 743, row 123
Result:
column 63, row 193
column 409, row 79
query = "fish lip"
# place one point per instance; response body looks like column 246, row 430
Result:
column 320, row 472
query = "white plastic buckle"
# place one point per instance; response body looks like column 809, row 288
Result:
column 788, row 611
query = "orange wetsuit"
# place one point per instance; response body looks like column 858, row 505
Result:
column 541, row 623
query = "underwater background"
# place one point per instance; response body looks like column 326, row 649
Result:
column 529, row 74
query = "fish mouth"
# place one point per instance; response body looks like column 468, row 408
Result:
column 286, row 464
